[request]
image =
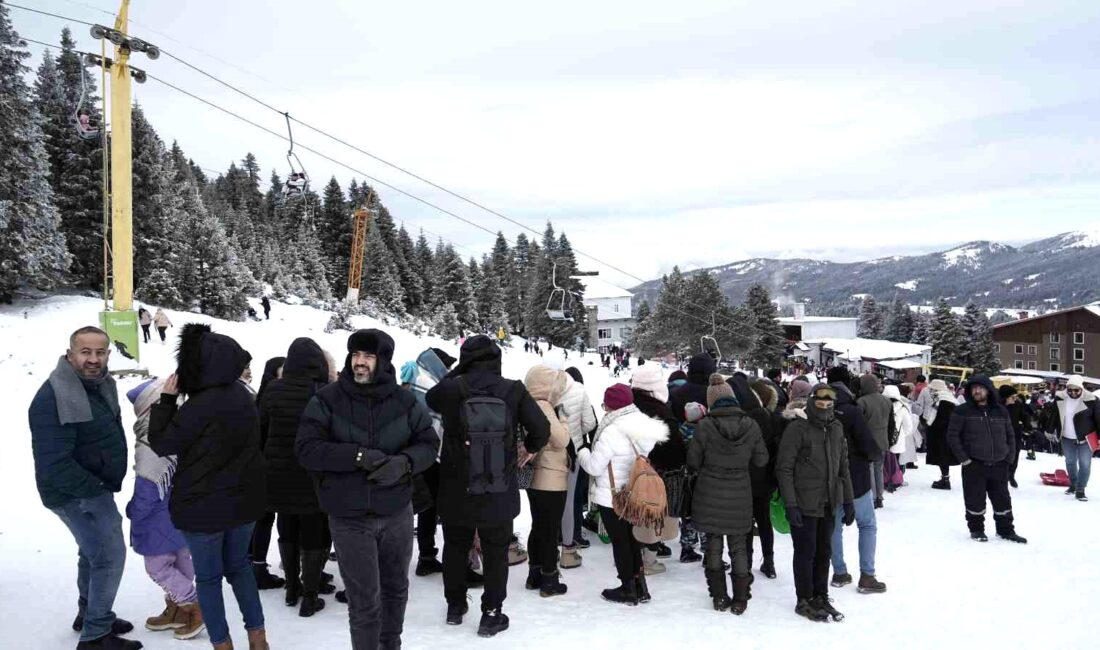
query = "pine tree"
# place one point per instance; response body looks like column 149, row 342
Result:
column 380, row 284
column 445, row 322
column 454, row 286
column 768, row 339
column 981, row 355
column 871, row 325
column 159, row 288
column 413, row 280
column 155, row 206
column 334, row 225
column 947, row 338
column 426, row 266
column 666, row 329
column 473, row 271
column 210, row 276
column 899, row 327
column 922, row 328
column 491, row 307
column 518, row 282
column 75, row 163
column 32, row 248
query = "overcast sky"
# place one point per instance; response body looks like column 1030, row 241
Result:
column 654, row 133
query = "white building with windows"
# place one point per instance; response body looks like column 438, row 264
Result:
column 610, row 313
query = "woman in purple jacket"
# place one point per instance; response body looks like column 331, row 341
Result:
column 152, row 535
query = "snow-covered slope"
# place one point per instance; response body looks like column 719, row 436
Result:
column 943, row 589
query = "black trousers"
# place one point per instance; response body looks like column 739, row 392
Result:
column 306, row 531
column 542, row 544
column 580, row 502
column 161, row 331
column 427, row 521
column 812, row 553
column 980, row 480
column 626, row 550
column 374, row 555
column 457, row 541
column 145, row 332
column 261, row 538
column 762, row 514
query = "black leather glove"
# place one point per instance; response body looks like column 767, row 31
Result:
column 794, row 516
column 369, row 459
column 849, row 514
column 392, row 471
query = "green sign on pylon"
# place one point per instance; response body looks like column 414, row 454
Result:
column 122, row 328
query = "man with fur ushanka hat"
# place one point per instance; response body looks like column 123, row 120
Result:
column 362, row 438
column 812, row 470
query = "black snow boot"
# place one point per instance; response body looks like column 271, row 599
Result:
column 292, row 567
column 662, row 549
column 688, row 554
column 455, row 612
column 1012, row 537
column 978, row 536
column 426, row 566
column 825, row 604
column 767, row 567
column 110, row 642
column 716, row 585
column 534, row 578
column 624, row 594
column 312, row 561
column 119, row 626
column 264, row 577
column 1081, row 495
column 741, row 594
column 493, row 622
column 551, row 585
column 943, row 484
column 641, row 588
column 808, row 609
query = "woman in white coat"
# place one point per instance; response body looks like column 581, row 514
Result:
column 908, row 437
column 624, row 433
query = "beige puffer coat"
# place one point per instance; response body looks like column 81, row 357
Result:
column 547, row 386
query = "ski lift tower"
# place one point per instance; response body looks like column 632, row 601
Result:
column 360, row 226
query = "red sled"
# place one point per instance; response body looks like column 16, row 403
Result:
column 1059, row 478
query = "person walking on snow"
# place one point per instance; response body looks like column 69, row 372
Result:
column 981, row 437
column 362, row 438
column 814, row 482
column 1078, row 415
column 941, row 404
column 146, row 320
column 261, row 534
column 162, row 323
column 623, row 434
column 725, row 444
column 909, row 438
column 266, row 304
column 152, row 535
column 79, row 450
column 468, row 503
column 580, row 418
column 219, row 489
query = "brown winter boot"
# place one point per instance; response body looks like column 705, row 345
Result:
column 194, row 624
column 740, row 595
column 224, row 645
column 169, row 619
column 257, row 640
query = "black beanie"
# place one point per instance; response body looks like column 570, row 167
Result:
column 1006, row 391
column 445, row 358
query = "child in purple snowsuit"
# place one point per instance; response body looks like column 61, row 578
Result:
column 152, row 535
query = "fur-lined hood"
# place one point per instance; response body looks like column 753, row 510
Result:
column 205, row 359
column 635, row 425
column 766, row 394
column 796, row 408
column 546, row 384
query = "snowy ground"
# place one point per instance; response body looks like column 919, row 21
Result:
column 944, row 590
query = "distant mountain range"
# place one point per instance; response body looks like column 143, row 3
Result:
column 1057, row 272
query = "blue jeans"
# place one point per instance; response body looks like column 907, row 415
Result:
column 96, row 526
column 218, row 555
column 1078, row 462
column 868, row 535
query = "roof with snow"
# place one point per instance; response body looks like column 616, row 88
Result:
column 595, row 288
column 872, row 348
column 813, row 319
column 1091, row 308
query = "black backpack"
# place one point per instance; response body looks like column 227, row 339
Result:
column 490, row 441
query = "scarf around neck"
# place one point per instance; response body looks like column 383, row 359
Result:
column 71, row 393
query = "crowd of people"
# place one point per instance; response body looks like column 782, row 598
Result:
column 365, row 459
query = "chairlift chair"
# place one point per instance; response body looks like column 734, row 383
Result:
column 716, row 351
column 559, row 307
column 82, row 116
column 297, row 183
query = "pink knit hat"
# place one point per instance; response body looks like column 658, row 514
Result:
column 617, row 396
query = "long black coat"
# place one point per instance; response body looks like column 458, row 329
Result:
column 669, row 455
column 763, row 477
column 220, row 481
column 939, row 452
column 479, row 363
column 725, row 444
column 289, row 486
column 700, row 368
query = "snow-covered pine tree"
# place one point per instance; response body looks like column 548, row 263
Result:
column 412, row 283
column 380, row 280
column 922, row 328
column 157, row 287
column 445, row 322
column 517, row 284
column 314, row 274
column 75, row 164
column 155, row 207
column 871, row 325
column 666, row 328
column 981, row 355
column 455, row 288
column 490, row 301
column 947, row 338
column 567, row 269
column 473, row 271
column 426, row 267
column 899, row 326
column 769, row 341
column 32, row 248
column 334, row 227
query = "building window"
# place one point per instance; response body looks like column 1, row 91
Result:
column 1055, row 337
column 615, row 308
column 1055, row 367
column 1018, row 364
column 1079, row 338
column 1019, row 349
column 603, row 333
column 1055, row 354
column 1078, row 369
column 1078, row 354
column 1031, row 365
column 1032, row 350
column 626, row 332
column 997, row 348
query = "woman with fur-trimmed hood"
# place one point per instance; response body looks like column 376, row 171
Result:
column 220, row 487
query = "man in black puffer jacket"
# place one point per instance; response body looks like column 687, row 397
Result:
column 981, row 436
column 303, row 543
column 220, row 487
column 700, row 368
column 489, row 515
column 363, row 438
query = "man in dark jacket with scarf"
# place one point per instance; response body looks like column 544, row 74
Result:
column 363, row 438
column 981, row 436
column 79, row 462
column 700, row 368
column 489, row 515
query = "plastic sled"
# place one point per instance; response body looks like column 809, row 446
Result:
column 1059, row 478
